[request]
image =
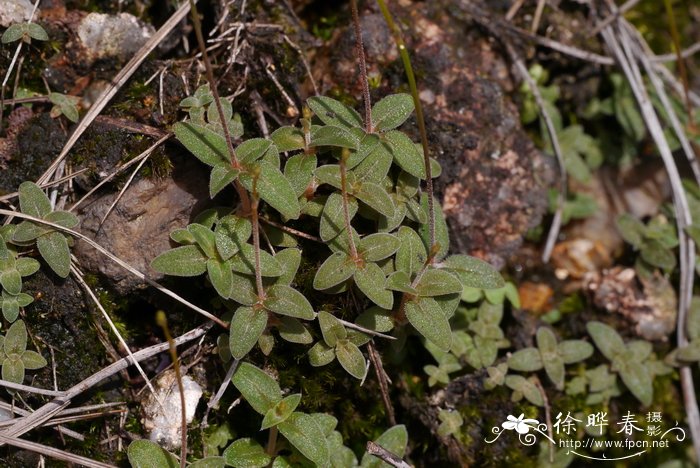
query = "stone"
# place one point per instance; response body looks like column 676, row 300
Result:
column 139, row 227
column 119, row 36
column 163, row 410
column 15, row 11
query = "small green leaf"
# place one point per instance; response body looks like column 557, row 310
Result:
column 631, row 229
column 274, row 188
column 637, row 379
column 258, row 388
column 251, row 150
column 394, row 439
column 351, row 358
column 244, row 262
column 281, row 411
column 336, row 269
column 372, row 282
column 33, row 201
column 221, row 175
column 526, row 388
column 375, row 166
column 285, row 300
column 377, row 319
column 207, row 145
column 11, row 280
column 205, row 238
column 474, row 272
column 333, row 218
column 429, row 320
column 379, row 246
column 554, row 367
column 246, row 327
column 33, row 360
column 525, row 360
column 436, row 282
column 54, row 249
column 606, row 339
column 16, row 339
column 245, row 453
column 14, row 33
column 243, row 290
column 411, row 255
column 289, row 261
column 299, row 171
column 37, row 32
column 292, row 330
column 288, row 138
column 399, row 281
column 330, row 135
column 406, row 154
column 63, row 218
column 332, row 112
column 391, row 111
column 221, row 277
column 13, row 369
column 146, row 454
column 321, row 354
column 330, row 174
column 27, row 231
column 331, row 328
column 573, row 351
column 654, row 253
column 231, row 233
column 376, row 198
column 304, row 433
column 187, row 260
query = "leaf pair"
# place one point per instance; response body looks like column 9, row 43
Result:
column 367, row 275
column 25, row 32
column 481, row 349
column 550, row 355
column 628, row 360
column 52, row 244
column 338, row 343
column 263, row 393
column 14, row 355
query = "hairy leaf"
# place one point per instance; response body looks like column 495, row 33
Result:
column 246, row 327
column 372, row 282
column 332, row 112
column 429, row 320
column 336, row 269
column 391, row 111
column 405, row 153
column 351, row 358
column 258, row 388
column 54, row 249
column 474, row 272
column 285, row 300
column 187, row 260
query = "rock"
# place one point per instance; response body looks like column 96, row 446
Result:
column 119, row 36
column 163, row 410
column 494, row 182
column 15, row 11
column 648, row 303
column 139, row 227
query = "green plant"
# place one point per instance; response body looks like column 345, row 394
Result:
column 655, row 241
column 24, row 32
column 53, row 245
column 550, row 355
column 64, row 104
column 631, row 361
column 14, row 355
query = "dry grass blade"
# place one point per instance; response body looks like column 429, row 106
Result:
column 115, row 85
column 79, row 277
column 50, row 409
column 119, row 262
column 627, row 6
column 119, row 170
column 123, row 190
column 620, row 43
column 53, row 452
column 28, row 388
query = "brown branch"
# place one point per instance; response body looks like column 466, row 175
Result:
column 376, row 360
column 378, row 451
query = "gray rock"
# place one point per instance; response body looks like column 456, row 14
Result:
column 118, row 36
column 139, row 227
column 15, row 11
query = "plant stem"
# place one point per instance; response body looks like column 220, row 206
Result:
column 272, row 441
column 403, row 52
column 360, row 52
column 346, row 210
column 162, row 321
column 242, row 194
column 256, row 239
